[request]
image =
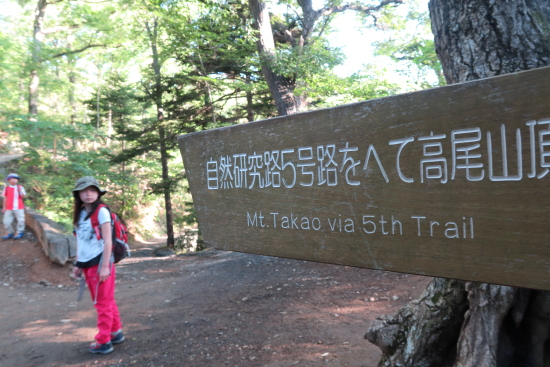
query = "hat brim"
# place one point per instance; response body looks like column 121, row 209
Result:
column 84, row 186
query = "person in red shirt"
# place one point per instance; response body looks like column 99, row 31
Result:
column 13, row 207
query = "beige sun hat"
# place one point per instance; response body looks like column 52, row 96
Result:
column 88, row 181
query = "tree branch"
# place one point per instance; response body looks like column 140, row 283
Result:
column 363, row 9
column 77, row 51
column 324, row 27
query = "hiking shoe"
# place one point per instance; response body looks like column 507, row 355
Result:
column 97, row 348
column 117, row 338
column 8, row 236
column 19, row 235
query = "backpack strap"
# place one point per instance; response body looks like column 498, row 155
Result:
column 95, row 226
column 95, row 221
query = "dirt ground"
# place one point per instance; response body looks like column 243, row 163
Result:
column 214, row 308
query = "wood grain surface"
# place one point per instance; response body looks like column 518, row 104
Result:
column 449, row 182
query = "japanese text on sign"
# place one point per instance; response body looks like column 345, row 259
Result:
column 333, row 164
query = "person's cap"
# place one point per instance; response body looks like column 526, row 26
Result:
column 88, row 181
column 13, row 175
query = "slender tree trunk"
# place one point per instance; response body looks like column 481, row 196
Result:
column 503, row 326
column 153, row 34
column 38, row 37
column 249, row 109
column 72, row 100
column 109, row 125
column 72, row 88
column 33, row 93
column 55, row 146
column 170, row 241
column 98, row 116
column 210, row 101
column 123, row 174
column 280, row 88
column 22, row 92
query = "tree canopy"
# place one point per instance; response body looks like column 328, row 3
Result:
column 104, row 88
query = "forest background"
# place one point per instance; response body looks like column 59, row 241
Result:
column 103, row 88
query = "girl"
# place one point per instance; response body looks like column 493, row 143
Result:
column 94, row 260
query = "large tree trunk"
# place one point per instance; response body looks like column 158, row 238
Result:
column 503, row 326
column 482, row 38
column 281, row 90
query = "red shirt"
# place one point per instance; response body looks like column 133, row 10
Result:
column 12, row 195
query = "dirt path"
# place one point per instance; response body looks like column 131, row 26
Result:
column 214, row 308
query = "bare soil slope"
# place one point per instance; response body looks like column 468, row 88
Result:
column 213, row 308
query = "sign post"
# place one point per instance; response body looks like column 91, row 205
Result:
column 450, row 182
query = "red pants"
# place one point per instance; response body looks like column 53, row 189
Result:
column 108, row 318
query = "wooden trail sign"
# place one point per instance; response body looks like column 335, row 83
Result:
column 450, row 182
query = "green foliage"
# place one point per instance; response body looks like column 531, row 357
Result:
column 370, row 85
column 308, row 63
column 12, row 61
column 118, row 102
column 210, row 76
column 51, row 165
column 50, row 168
column 331, row 90
column 411, row 45
column 216, row 52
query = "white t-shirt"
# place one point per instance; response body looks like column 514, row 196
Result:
column 88, row 246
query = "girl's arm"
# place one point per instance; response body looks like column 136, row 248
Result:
column 105, row 270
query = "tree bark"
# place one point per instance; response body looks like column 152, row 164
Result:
column 482, row 38
column 503, row 326
column 281, row 89
column 424, row 332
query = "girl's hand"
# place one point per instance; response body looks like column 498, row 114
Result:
column 104, row 273
column 77, row 272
